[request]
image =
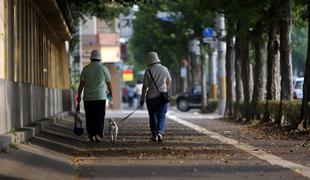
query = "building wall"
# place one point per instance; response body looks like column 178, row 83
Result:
column 108, row 39
column 89, row 39
column 109, row 54
column 107, row 27
column 22, row 104
column 2, row 38
column 116, row 86
column 89, row 27
column 33, row 66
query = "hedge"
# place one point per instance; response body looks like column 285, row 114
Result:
column 211, row 105
column 290, row 110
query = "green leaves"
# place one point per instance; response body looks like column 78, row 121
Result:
column 152, row 34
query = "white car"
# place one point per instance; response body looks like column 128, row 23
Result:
column 298, row 88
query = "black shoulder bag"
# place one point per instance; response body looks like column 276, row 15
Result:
column 163, row 96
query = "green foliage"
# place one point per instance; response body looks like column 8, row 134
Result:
column 299, row 48
column 212, row 105
column 102, row 9
column 194, row 16
column 173, row 100
column 75, row 82
column 291, row 110
column 300, row 13
column 152, row 34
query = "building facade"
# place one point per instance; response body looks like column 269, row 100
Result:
column 34, row 68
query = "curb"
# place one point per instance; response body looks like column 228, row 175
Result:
column 25, row 133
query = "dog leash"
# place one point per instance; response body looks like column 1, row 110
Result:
column 130, row 114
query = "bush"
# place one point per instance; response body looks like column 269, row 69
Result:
column 291, row 110
column 211, row 106
column 173, row 100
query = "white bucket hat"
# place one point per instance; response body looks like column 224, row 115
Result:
column 95, row 55
column 152, row 57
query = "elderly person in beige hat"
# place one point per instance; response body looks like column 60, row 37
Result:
column 95, row 80
column 159, row 74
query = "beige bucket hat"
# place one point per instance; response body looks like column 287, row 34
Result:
column 152, row 57
column 95, row 55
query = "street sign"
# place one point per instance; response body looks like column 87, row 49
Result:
column 127, row 75
column 208, row 32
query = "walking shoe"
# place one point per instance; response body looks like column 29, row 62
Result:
column 98, row 139
column 154, row 138
column 91, row 139
column 160, row 138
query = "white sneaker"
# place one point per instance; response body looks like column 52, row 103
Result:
column 160, row 137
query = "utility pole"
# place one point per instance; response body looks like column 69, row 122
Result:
column 212, row 70
column 183, row 74
column 221, row 47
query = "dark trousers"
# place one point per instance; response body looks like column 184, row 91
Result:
column 95, row 113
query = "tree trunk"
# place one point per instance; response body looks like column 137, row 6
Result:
column 239, row 86
column 305, row 109
column 203, row 77
column 190, row 73
column 245, row 73
column 174, row 86
column 273, row 62
column 229, row 75
column 285, row 27
column 258, row 92
column 195, row 70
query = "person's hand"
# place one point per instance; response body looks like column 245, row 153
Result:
column 79, row 99
column 110, row 96
column 141, row 102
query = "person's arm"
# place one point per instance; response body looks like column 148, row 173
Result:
column 144, row 88
column 108, row 80
column 81, row 87
column 168, row 81
column 168, row 84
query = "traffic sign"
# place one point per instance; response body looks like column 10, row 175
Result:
column 208, row 32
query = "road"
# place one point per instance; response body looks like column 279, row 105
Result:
column 195, row 147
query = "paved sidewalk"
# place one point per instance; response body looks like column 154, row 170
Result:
column 185, row 154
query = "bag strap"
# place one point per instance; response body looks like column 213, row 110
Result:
column 153, row 80
column 77, row 107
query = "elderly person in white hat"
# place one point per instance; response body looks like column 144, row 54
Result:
column 159, row 74
column 95, row 80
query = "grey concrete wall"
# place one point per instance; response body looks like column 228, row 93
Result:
column 68, row 100
column 22, row 104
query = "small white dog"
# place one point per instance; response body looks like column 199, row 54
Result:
column 113, row 129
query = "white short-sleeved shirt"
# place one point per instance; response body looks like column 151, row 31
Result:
column 161, row 76
column 95, row 76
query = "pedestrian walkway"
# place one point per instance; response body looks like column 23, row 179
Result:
column 185, row 154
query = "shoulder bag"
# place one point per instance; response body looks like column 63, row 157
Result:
column 163, row 96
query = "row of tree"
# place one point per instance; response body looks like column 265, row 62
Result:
column 251, row 25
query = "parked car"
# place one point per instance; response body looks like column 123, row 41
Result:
column 188, row 100
column 298, row 84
